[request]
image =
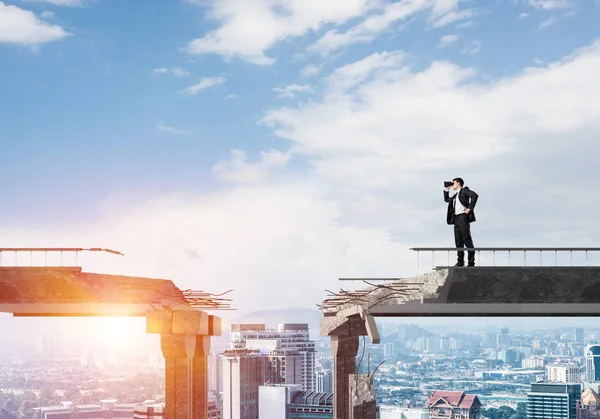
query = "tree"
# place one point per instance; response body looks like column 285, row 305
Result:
column 26, row 409
column 521, row 410
column 502, row 412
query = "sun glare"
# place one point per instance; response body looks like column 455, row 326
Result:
column 117, row 333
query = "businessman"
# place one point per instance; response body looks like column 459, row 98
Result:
column 461, row 214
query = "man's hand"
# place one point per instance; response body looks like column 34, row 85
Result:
column 447, row 188
column 467, row 211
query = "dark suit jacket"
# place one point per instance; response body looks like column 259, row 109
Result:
column 467, row 197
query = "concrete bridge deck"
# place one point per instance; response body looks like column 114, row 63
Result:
column 67, row 291
column 451, row 291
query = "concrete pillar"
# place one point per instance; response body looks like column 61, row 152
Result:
column 185, row 342
column 362, row 397
column 344, row 350
column 186, row 375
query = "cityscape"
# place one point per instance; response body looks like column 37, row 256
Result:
column 286, row 371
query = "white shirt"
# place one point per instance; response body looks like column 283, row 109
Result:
column 459, row 208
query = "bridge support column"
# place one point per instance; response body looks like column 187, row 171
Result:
column 344, row 350
column 344, row 332
column 186, row 375
column 362, row 397
column 185, row 343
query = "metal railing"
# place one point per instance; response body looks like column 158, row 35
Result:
column 508, row 250
column 31, row 250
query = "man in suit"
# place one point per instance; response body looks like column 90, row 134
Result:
column 461, row 215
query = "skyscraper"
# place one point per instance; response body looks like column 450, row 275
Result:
column 592, row 363
column 324, row 381
column 503, row 339
column 292, row 337
column 553, row 401
column 564, row 374
column 245, row 370
column 215, row 374
column 579, row 335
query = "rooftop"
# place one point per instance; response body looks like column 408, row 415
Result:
column 454, row 399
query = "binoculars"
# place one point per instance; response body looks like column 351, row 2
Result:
column 447, row 183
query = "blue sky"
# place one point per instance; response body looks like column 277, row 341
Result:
column 312, row 135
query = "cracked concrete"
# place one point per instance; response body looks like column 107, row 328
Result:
column 40, row 290
column 362, row 397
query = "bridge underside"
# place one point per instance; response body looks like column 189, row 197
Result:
column 447, row 292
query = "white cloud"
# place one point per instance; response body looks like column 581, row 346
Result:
column 19, row 26
column 47, row 14
column 523, row 15
column 549, row 4
column 310, row 70
column 230, row 96
column 447, row 40
column 247, row 29
column 171, row 130
column 548, row 22
column 353, row 74
column 237, row 169
column 291, row 90
column 201, row 85
column 440, row 13
column 392, row 123
column 177, row 71
column 454, row 16
column 180, row 72
column 473, row 48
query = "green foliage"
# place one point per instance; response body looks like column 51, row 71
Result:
column 506, row 412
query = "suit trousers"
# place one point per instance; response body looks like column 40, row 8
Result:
column 462, row 238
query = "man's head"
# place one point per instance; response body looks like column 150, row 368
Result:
column 457, row 183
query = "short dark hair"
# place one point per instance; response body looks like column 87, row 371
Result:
column 459, row 180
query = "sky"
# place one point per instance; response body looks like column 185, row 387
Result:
column 273, row 146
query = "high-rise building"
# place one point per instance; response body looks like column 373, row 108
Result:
column 490, row 340
column 503, row 339
column 564, row 374
column 592, row 363
column 294, row 337
column 243, row 373
column 553, row 401
column 324, row 381
column 389, row 349
column 245, row 370
column 508, row 356
column 215, row 374
column 579, row 335
column 533, row 362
